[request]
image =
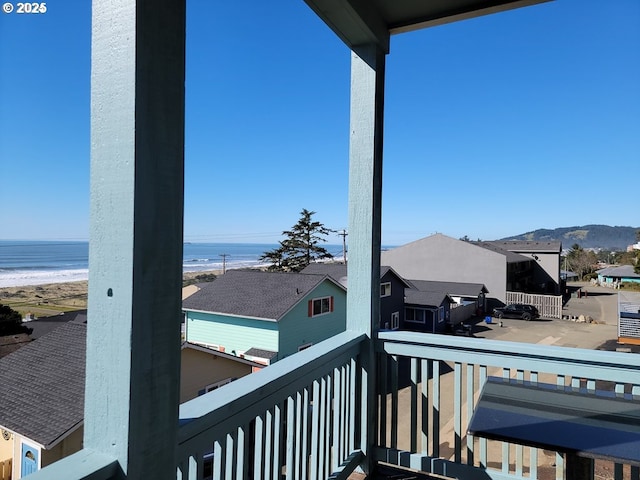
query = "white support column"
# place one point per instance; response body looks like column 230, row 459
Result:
column 135, row 255
column 365, row 213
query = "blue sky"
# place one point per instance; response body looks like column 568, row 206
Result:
column 494, row 126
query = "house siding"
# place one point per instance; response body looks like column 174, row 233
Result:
column 199, row 369
column 70, row 445
column 298, row 329
column 6, row 456
column 446, row 259
column 392, row 303
column 233, row 333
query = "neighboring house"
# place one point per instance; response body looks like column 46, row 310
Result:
column 276, row 314
column 614, row 276
column 42, row 394
column 204, row 369
column 426, row 311
column 543, row 275
column 469, row 299
column 500, row 266
column 392, row 288
column 42, row 399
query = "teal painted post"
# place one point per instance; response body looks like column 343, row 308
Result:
column 365, row 213
column 135, row 259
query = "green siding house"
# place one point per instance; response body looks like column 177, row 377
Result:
column 265, row 316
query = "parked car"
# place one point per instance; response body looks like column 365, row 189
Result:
column 516, row 310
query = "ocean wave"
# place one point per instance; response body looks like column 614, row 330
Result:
column 18, row 278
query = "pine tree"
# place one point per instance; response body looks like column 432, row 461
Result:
column 301, row 245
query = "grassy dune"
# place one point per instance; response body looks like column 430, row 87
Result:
column 53, row 298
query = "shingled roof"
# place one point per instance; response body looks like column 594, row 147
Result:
column 338, row 271
column 427, row 299
column 267, row 295
column 42, row 393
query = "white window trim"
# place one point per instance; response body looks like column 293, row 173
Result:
column 395, row 320
column 388, row 290
column 421, row 322
column 217, row 385
column 320, row 299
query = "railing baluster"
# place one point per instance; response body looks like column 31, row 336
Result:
column 298, row 439
column 229, row 454
column 305, row 434
column 384, row 384
column 277, row 442
column 394, row 402
column 560, row 382
column 635, row 392
column 268, row 444
column 241, row 453
column 575, row 384
column 218, row 460
column 315, row 429
column 533, row 451
column 457, row 412
column 506, row 375
column 293, row 437
column 519, row 453
column 329, row 421
column 352, row 412
column 470, row 404
column 414, row 404
column 559, row 466
column 258, row 458
column 619, row 390
column 424, row 380
column 482, row 378
column 323, row 411
column 435, row 402
column 338, row 419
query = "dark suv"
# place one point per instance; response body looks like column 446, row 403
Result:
column 516, row 310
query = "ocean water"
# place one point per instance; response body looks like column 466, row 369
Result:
column 40, row 262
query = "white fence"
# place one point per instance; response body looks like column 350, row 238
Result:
column 549, row 306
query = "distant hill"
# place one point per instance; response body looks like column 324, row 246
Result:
column 587, row 236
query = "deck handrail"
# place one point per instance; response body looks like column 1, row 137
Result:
column 429, row 384
column 269, row 404
column 612, row 366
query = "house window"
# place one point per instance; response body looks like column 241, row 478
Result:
column 215, row 386
column 385, row 289
column 415, row 315
column 440, row 314
column 395, row 320
column 320, row 306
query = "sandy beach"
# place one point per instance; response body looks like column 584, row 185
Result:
column 53, row 298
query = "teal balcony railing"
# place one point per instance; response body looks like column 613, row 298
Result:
column 429, row 385
column 305, row 417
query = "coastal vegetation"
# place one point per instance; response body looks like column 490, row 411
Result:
column 300, row 247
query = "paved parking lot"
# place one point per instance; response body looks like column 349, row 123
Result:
column 599, row 303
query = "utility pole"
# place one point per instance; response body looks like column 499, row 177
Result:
column 224, row 262
column 343, row 234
